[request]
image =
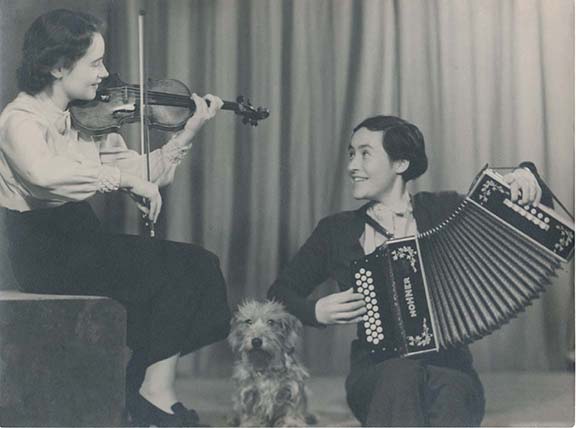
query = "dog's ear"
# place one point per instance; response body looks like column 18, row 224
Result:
column 292, row 327
column 234, row 338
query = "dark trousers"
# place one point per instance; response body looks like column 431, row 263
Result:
column 404, row 392
column 174, row 293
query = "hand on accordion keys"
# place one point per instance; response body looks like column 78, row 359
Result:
column 524, row 186
column 345, row 307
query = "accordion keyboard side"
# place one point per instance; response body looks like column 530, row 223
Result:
column 378, row 331
column 399, row 320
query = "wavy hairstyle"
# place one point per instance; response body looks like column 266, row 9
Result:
column 402, row 141
column 57, row 38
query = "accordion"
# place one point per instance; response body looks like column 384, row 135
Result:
column 463, row 279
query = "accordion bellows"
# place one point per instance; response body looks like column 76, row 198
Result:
column 464, row 279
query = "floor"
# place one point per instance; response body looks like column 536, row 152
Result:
column 513, row 399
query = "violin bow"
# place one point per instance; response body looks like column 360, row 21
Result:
column 144, row 129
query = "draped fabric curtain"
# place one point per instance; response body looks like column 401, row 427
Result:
column 487, row 81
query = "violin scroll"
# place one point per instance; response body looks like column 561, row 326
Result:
column 250, row 115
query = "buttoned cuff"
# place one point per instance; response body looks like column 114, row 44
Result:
column 174, row 151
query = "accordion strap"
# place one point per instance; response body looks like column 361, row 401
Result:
column 377, row 226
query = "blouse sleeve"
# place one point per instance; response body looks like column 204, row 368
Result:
column 46, row 175
column 163, row 161
column 307, row 270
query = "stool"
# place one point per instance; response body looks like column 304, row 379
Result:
column 62, row 360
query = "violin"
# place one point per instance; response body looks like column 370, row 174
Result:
column 168, row 106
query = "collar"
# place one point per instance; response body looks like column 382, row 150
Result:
column 401, row 209
column 54, row 114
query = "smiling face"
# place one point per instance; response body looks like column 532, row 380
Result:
column 81, row 81
column 373, row 173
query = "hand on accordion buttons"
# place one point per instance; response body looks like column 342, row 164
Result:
column 524, row 186
column 345, row 307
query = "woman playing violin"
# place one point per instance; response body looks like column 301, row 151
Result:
column 174, row 293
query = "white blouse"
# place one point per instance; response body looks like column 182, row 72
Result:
column 399, row 221
column 44, row 162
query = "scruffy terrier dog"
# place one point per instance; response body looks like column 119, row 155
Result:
column 269, row 380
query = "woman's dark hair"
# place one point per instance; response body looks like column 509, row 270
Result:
column 402, row 141
column 57, row 38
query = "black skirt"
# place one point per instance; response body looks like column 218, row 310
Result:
column 174, row 293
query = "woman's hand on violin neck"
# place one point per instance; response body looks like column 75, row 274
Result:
column 204, row 112
column 146, row 194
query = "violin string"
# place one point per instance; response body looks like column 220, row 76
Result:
column 160, row 96
column 164, row 95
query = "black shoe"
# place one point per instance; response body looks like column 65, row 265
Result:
column 144, row 414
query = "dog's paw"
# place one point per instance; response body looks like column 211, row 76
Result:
column 311, row 419
column 233, row 420
column 291, row 421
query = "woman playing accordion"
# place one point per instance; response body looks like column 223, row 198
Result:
column 438, row 388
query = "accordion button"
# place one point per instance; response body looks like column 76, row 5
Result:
column 377, row 322
column 363, row 278
column 357, row 276
column 370, row 313
column 369, row 305
column 368, row 273
column 367, row 299
column 381, row 337
column 370, row 281
column 379, row 329
column 362, row 271
column 369, row 338
column 358, row 283
column 365, row 318
column 546, row 220
column 533, row 211
column 376, row 341
column 540, row 215
column 367, row 325
column 372, row 294
column 376, row 308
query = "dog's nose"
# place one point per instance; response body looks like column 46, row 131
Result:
column 257, row 342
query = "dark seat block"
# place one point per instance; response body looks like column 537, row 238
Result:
column 61, row 360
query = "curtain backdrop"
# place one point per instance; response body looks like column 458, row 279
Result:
column 487, row 81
